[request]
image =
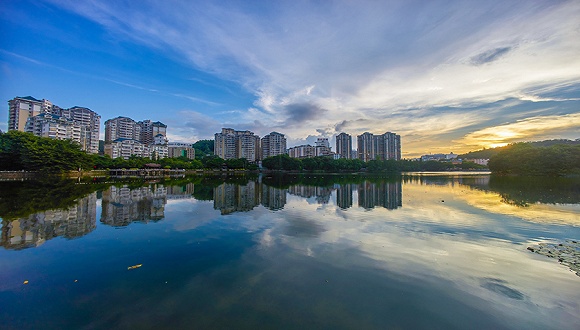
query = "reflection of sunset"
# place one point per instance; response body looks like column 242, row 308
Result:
column 494, row 203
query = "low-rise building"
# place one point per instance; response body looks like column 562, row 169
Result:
column 439, row 157
column 479, row 161
column 303, row 151
column 125, row 148
column 181, row 151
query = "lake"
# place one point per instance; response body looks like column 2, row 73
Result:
column 437, row 251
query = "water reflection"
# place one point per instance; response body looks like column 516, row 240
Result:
column 230, row 197
column 387, row 195
column 124, row 205
column 36, row 212
column 297, row 252
column 33, row 230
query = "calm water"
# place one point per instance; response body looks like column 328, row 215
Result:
column 314, row 251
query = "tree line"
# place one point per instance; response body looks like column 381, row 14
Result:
column 488, row 153
column 327, row 164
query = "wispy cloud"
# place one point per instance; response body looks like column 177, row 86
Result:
column 369, row 65
column 490, row 55
column 190, row 126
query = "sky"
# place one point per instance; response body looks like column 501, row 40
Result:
column 447, row 76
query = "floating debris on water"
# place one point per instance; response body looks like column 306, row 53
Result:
column 26, row 282
column 567, row 253
column 134, row 267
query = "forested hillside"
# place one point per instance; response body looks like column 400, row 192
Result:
column 530, row 159
column 488, row 153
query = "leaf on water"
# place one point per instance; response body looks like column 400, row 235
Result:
column 134, row 267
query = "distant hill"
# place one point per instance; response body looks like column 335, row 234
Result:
column 488, row 153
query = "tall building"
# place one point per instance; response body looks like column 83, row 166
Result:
column 381, row 147
column 323, row 147
column 22, row 108
column 52, row 124
column 273, row 144
column 90, row 123
column 159, row 147
column 322, row 142
column 388, row 146
column 344, row 145
column 232, row 144
column 144, row 138
column 122, row 127
column 149, row 129
column 366, row 147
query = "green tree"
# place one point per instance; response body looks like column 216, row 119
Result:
column 24, row 151
column 282, row 162
column 203, row 148
column 213, row 162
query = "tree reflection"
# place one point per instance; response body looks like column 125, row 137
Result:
column 522, row 191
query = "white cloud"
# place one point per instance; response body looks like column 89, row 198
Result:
column 369, row 61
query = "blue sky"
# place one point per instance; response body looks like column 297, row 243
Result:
column 445, row 75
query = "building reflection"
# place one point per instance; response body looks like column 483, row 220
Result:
column 123, row 205
column 344, row 196
column 273, row 198
column 384, row 194
column 322, row 194
column 35, row 229
column 230, row 197
column 180, row 192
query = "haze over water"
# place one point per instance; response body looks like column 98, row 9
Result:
column 311, row 251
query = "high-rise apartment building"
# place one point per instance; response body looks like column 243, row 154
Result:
column 381, row 147
column 273, row 144
column 388, row 146
column 322, row 142
column 344, row 145
column 55, row 122
column 90, row 123
column 366, row 147
column 122, row 127
column 145, row 138
column 151, row 129
column 322, row 147
column 231, row 144
column 22, row 108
